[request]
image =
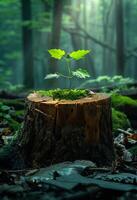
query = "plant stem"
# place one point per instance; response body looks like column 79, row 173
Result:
column 69, row 71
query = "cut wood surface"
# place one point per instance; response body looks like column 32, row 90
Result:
column 66, row 130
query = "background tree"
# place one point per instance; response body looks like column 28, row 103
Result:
column 107, row 27
column 55, row 35
column 119, row 36
column 10, row 42
column 27, row 42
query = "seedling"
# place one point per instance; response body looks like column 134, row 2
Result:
column 60, row 54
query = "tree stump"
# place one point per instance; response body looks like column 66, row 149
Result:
column 66, row 130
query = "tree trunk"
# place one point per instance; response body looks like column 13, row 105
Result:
column 75, row 39
column 65, row 130
column 119, row 36
column 56, row 26
column 107, row 19
column 28, row 68
column 55, row 37
column 89, row 62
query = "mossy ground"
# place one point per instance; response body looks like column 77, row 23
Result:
column 126, row 106
column 68, row 94
column 119, row 100
column 119, row 120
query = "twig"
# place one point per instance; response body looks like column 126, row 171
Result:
column 125, row 132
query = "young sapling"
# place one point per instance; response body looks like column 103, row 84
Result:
column 60, row 54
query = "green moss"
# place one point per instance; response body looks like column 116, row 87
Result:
column 68, row 94
column 119, row 120
column 119, row 100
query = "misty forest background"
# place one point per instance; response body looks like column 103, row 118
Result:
column 28, row 28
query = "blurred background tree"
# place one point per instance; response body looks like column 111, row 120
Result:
column 29, row 28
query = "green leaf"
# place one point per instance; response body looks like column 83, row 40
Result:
column 81, row 73
column 7, row 116
column 78, row 54
column 56, row 53
column 50, row 76
column 5, row 108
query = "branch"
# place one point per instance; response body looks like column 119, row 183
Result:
column 88, row 36
column 85, row 34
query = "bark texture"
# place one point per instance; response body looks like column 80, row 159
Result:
column 56, row 131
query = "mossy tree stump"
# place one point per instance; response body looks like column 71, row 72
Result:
column 66, row 130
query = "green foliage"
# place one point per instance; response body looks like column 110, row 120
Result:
column 79, row 54
column 7, row 116
column 104, row 79
column 17, row 104
column 119, row 100
column 81, row 73
column 119, row 120
column 50, row 76
column 19, row 113
column 8, row 86
column 75, row 55
column 68, row 94
column 11, row 113
column 3, row 107
column 118, row 82
column 15, row 88
column 56, row 53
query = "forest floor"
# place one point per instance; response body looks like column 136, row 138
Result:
column 69, row 180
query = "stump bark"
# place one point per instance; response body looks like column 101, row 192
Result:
column 65, row 130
